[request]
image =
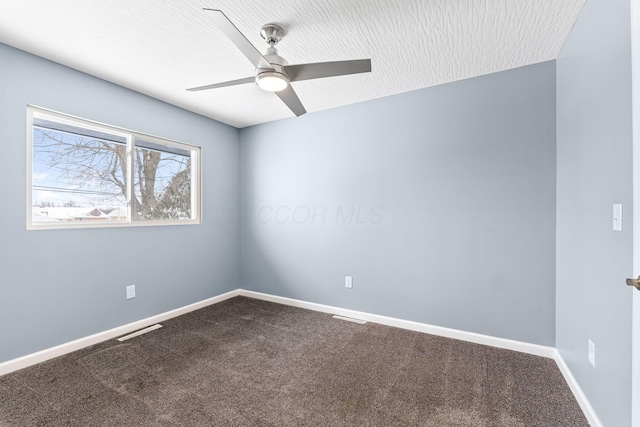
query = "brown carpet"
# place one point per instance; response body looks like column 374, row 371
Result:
column 246, row 362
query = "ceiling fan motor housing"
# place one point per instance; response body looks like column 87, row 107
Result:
column 277, row 63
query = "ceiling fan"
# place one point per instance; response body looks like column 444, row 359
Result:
column 273, row 73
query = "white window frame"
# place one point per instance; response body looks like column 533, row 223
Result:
column 130, row 136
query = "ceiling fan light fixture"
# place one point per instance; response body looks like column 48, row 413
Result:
column 272, row 70
column 272, row 81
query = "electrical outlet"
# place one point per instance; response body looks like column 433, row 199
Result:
column 131, row 291
column 348, row 282
column 592, row 353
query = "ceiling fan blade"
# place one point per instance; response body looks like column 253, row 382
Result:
column 290, row 98
column 319, row 70
column 224, row 84
column 238, row 39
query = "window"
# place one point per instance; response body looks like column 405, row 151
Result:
column 86, row 174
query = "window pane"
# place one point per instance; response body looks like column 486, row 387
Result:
column 78, row 174
column 162, row 182
column 88, row 174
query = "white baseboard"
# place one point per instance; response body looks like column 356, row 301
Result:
column 523, row 347
column 586, row 407
column 59, row 350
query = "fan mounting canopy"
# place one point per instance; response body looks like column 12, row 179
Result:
column 272, row 33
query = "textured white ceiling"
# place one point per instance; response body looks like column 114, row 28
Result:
column 160, row 48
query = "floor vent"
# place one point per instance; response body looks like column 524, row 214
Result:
column 140, row 332
column 350, row 319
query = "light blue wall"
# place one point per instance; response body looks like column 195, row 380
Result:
column 451, row 192
column 60, row 285
column 594, row 162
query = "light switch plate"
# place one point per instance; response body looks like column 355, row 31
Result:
column 617, row 217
